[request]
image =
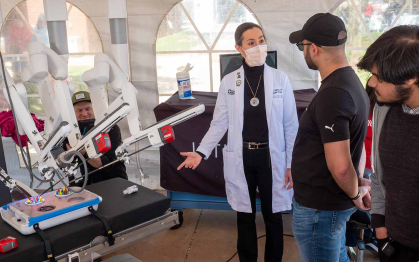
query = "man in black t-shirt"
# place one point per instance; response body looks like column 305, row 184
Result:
column 86, row 117
column 329, row 144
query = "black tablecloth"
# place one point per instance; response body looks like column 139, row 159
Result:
column 208, row 177
column 121, row 211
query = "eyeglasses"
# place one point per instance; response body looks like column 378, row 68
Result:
column 378, row 78
column 300, row 45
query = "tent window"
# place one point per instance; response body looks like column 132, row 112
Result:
column 26, row 23
column 197, row 32
column 366, row 20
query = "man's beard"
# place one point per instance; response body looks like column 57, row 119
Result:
column 309, row 61
column 402, row 95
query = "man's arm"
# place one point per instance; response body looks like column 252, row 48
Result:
column 378, row 203
column 95, row 162
column 334, row 112
column 378, row 208
column 339, row 162
column 116, row 140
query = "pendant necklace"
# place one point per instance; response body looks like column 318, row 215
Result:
column 254, row 101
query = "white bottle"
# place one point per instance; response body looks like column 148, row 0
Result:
column 184, row 82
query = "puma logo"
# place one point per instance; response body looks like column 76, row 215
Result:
column 331, row 128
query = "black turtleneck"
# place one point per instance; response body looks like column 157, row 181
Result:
column 255, row 124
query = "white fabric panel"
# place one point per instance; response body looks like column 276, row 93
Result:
column 149, row 7
column 147, row 100
column 92, row 8
column 142, row 34
column 7, row 6
column 102, row 27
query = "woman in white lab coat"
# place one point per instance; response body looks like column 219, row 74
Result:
column 256, row 105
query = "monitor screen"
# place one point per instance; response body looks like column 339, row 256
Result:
column 232, row 62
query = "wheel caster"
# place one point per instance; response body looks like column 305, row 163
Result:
column 180, row 213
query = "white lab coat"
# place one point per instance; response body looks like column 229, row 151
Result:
column 282, row 119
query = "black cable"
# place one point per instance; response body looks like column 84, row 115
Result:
column 257, row 238
column 30, row 165
column 86, row 176
column 16, row 125
column 61, row 178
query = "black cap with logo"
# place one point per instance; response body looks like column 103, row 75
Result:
column 322, row 29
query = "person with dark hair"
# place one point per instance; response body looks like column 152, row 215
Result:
column 256, row 105
column 393, row 61
column 329, row 144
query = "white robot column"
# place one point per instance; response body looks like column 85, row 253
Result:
column 117, row 12
column 56, row 15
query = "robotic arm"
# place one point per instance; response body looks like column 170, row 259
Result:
column 106, row 70
column 41, row 61
column 17, row 189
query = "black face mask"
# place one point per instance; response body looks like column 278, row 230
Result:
column 86, row 125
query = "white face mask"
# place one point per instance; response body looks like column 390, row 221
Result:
column 256, row 56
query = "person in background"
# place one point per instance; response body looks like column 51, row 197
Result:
column 41, row 31
column 393, row 61
column 19, row 36
column 86, row 118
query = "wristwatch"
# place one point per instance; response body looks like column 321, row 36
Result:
column 357, row 196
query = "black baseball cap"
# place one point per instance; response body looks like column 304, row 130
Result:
column 322, row 29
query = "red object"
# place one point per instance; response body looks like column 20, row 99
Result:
column 368, row 10
column 8, row 128
column 167, row 133
column 103, row 143
column 20, row 36
column 368, row 143
column 7, row 244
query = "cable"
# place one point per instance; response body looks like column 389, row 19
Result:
column 16, row 125
column 86, row 176
column 30, row 165
column 63, row 177
column 257, row 238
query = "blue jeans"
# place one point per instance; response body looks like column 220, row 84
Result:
column 320, row 234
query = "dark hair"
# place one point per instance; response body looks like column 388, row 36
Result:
column 238, row 35
column 371, row 95
column 396, row 55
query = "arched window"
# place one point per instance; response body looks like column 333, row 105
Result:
column 26, row 23
column 366, row 20
column 197, row 32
